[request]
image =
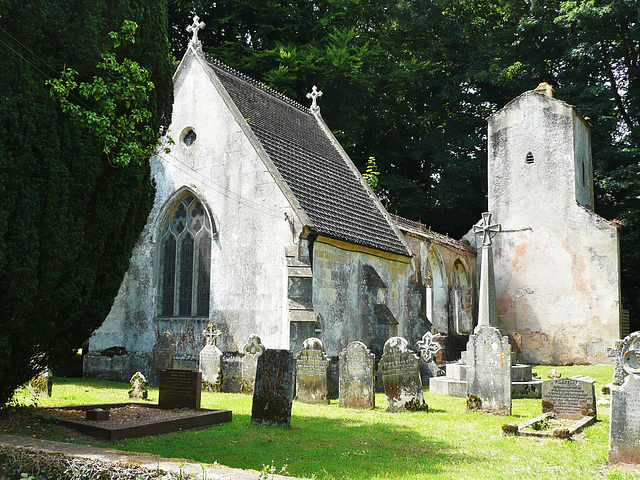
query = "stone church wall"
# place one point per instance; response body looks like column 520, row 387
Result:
column 557, row 264
column 254, row 224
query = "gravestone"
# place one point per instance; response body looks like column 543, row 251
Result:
column 41, row 385
column 619, row 374
column 138, row 387
column 356, row 366
column 180, row 389
column 400, row 369
column 231, row 367
column 489, row 371
column 312, row 370
column 252, row 350
column 624, row 427
column 274, row 388
column 210, row 360
column 163, row 355
column 571, row 397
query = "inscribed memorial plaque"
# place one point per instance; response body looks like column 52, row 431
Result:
column 356, row 377
column 400, row 369
column 489, row 371
column 312, row 369
column 274, row 388
column 571, row 397
column 180, row 389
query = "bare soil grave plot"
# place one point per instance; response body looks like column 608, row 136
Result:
column 131, row 420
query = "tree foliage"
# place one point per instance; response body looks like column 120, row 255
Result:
column 68, row 219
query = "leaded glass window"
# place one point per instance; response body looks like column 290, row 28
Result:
column 184, row 261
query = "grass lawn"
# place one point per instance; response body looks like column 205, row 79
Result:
column 328, row 442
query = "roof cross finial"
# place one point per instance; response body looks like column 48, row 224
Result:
column 487, row 230
column 194, row 28
column 315, row 93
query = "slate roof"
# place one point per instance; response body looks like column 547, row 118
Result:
column 328, row 189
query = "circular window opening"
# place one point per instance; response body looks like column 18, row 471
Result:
column 189, row 137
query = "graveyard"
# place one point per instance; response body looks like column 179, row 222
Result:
column 330, row 442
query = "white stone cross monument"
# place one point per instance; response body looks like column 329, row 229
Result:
column 211, row 333
column 487, row 313
column 193, row 29
column 210, row 359
column 314, row 95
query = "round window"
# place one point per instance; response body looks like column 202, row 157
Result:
column 189, row 136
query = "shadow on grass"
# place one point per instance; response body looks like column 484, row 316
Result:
column 330, row 448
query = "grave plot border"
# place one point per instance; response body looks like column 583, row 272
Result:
column 519, row 429
column 200, row 418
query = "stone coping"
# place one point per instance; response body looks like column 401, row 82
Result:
column 152, row 462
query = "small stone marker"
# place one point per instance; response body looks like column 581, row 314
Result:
column 624, row 428
column 571, row 397
column 489, row 371
column 274, row 388
column 210, row 360
column 356, row 377
column 97, row 414
column 400, row 369
column 41, row 385
column 180, row 389
column 164, row 352
column 312, row 368
column 252, row 350
column 138, row 387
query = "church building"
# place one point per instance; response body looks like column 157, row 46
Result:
column 262, row 224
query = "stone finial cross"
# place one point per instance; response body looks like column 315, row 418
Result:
column 428, row 347
column 211, row 333
column 487, row 230
column 313, row 95
column 194, row 28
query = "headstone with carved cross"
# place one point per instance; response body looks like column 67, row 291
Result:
column 194, row 29
column 428, row 347
column 314, row 95
column 210, row 360
column 252, row 350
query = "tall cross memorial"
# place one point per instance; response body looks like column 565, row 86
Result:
column 488, row 352
column 211, row 359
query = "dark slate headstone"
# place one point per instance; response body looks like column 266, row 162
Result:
column 356, row 376
column 164, row 352
column 180, row 389
column 312, row 368
column 231, row 372
column 400, row 369
column 252, row 350
column 624, row 428
column 571, row 397
column 489, row 371
column 274, row 388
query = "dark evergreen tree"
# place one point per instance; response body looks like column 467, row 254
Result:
column 68, row 219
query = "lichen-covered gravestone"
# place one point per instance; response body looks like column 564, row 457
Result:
column 274, row 388
column 489, row 371
column 312, row 368
column 164, row 352
column 138, row 387
column 400, row 369
column 356, row 387
column 624, row 428
column 210, row 360
column 571, row 398
column 252, row 350
column 41, row 385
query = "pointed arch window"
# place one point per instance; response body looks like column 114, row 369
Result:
column 184, row 260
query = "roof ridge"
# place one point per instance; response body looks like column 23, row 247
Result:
column 266, row 89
